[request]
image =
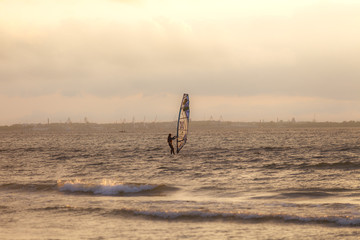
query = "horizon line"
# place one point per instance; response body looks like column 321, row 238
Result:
column 196, row 121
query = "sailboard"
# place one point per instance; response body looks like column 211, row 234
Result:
column 183, row 123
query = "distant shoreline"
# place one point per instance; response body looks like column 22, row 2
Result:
column 162, row 126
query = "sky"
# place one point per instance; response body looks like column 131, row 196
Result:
column 119, row 60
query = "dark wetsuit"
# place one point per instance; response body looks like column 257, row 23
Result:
column 170, row 144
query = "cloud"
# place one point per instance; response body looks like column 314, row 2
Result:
column 310, row 50
column 110, row 49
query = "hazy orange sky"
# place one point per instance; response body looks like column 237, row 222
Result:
column 110, row 60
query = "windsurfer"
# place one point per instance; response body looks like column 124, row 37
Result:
column 170, row 143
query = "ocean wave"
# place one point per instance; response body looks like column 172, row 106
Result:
column 27, row 187
column 293, row 193
column 319, row 189
column 338, row 165
column 277, row 166
column 268, row 149
column 311, row 194
column 6, row 210
column 105, row 187
column 239, row 216
column 205, row 215
column 110, row 188
column 343, row 165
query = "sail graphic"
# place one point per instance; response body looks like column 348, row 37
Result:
column 183, row 123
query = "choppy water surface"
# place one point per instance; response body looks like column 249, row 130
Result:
column 227, row 183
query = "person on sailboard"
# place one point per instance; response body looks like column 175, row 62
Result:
column 170, row 143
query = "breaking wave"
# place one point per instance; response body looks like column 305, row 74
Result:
column 111, row 188
column 105, row 188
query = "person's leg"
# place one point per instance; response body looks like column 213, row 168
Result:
column 171, row 148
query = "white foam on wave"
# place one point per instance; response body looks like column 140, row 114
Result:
column 106, row 187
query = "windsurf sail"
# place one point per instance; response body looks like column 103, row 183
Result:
column 183, row 123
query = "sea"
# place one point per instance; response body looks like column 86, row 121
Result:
column 230, row 181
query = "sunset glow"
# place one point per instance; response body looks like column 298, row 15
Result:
column 87, row 56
